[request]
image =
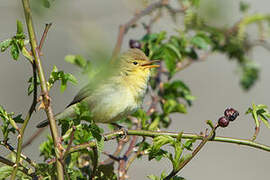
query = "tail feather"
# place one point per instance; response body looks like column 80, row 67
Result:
column 68, row 112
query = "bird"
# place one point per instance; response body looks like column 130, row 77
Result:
column 116, row 95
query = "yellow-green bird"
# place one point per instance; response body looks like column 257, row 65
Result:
column 117, row 95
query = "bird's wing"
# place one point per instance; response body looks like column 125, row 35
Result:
column 82, row 94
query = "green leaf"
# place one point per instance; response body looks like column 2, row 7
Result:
column 195, row 3
column 200, row 42
column 5, row 172
column 30, row 88
column 26, row 54
column 18, row 119
column 14, row 51
column 152, row 177
column 259, row 112
column 189, row 143
column 76, row 60
column 141, row 114
column 172, row 105
column 174, row 50
column 7, row 120
column 244, row 6
column 154, row 124
column 47, row 149
column 19, row 27
column 5, row 44
column 46, row 3
column 177, row 89
column 249, row 74
column 60, row 75
column 160, row 141
column 170, row 60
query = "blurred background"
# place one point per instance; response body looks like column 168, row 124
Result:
column 90, row 27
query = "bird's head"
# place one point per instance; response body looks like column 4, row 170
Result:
column 135, row 63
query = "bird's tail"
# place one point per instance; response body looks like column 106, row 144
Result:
column 43, row 124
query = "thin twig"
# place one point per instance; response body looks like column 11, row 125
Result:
column 44, row 35
column 120, row 145
column 21, row 168
column 123, row 29
column 131, row 159
column 27, row 118
column 94, row 163
column 152, row 21
column 70, row 142
column 122, row 163
column 33, row 137
column 27, row 159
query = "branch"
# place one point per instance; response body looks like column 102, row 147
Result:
column 44, row 90
column 119, row 148
column 123, row 29
column 44, row 35
column 33, row 137
column 22, row 169
column 152, row 134
column 122, row 163
column 27, row 159
column 27, row 118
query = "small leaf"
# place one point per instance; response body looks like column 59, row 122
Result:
column 18, row 119
column 200, row 42
column 76, row 60
column 26, row 54
column 14, row 51
column 244, row 7
column 46, row 3
column 175, row 50
column 172, row 105
column 5, row 172
column 19, row 27
column 5, row 44
column 153, row 177
column 188, row 144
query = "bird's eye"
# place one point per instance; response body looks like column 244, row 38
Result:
column 135, row 63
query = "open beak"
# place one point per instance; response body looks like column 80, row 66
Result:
column 150, row 64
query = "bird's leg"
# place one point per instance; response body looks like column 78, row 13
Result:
column 121, row 128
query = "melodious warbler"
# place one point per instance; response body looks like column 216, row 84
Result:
column 118, row 94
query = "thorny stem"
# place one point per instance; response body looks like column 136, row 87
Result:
column 44, row 90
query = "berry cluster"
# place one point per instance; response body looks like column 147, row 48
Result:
column 230, row 114
column 134, row 44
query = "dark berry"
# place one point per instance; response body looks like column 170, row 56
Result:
column 134, row 44
column 223, row 121
column 231, row 114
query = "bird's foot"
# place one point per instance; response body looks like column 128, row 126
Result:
column 123, row 129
